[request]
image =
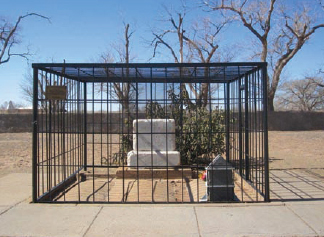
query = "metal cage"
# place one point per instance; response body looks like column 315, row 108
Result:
column 146, row 133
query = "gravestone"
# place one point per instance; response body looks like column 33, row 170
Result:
column 219, row 180
column 154, row 134
column 153, row 144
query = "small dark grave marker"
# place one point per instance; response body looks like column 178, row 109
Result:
column 220, row 183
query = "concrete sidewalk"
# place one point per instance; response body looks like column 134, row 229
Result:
column 20, row 218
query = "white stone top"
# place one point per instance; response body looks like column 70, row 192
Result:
column 154, row 125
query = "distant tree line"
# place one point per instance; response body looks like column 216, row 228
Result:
column 304, row 94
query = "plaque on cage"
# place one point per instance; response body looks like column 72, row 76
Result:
column 55, row 93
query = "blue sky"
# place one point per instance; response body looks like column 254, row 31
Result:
column 81, row 30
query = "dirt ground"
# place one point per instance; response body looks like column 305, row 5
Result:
column 297, row 150
column 15, row 153
column 287, row 150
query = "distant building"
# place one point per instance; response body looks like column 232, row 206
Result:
column 10, row 105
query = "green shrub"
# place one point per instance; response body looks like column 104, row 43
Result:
column 199, row 132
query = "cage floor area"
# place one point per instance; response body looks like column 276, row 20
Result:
column 112, row 189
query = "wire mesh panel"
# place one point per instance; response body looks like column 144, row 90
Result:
column 150, row 133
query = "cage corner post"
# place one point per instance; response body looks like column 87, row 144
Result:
column 265, row 127
column 34, row 137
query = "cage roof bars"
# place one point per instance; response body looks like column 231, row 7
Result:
column 154, row 72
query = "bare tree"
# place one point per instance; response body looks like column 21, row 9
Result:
column 123, row 91
column 26, row 87
column 198, row 41
column 320, row 84
column 9, row 38
column 176, row 28
column 304, row 95
column 294, row 26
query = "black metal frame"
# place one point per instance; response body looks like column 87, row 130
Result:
column 73, row 138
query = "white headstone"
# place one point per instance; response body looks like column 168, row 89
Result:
column 153, row 144
column 154, row 134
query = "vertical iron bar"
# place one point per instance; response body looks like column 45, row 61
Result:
column 85, row 126
column 240, row 128
column 49, row 158
column 54, row 144
column 246, row 110
column 122, row 134
column 151, row 135
column 34, row 151
column 93, row 138
column 165, row 97
column 101, row 121
column 182, row 87
column 265, row 128
column 78, row 119
column 42, row 132
column 108, row 141
column 64, row 145
column 227, row 122
column 109, row 138
column 255, row 132
column 136, row 117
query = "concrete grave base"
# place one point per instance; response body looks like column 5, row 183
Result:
column 159, row 158
column 154, row 173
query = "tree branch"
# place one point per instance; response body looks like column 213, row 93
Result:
column 161, row 41
column 8, row 40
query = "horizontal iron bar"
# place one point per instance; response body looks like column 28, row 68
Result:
column 58, row 188
column 146, row 65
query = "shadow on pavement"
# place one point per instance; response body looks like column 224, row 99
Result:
column 296, row 185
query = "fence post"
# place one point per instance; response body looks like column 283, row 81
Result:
column 35, row 128
column 85, row 127
column 227, row 122
column 246, row 126
column 265, row 129
column 240, row 127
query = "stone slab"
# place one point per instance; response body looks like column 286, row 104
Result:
column 47, row 220
column 251, row 221
column 159, row 158
column 155, row 173
column 15, row 188
column 155, row 134
column 145, row 221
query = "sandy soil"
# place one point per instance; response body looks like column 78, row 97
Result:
column 287, row 150
column 297, row 150
column 15, row 153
